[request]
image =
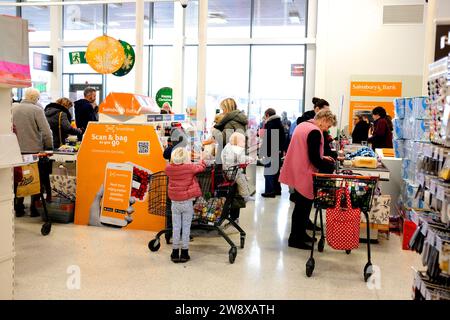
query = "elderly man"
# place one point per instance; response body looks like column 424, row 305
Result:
column 86, row 109
column 34, row 136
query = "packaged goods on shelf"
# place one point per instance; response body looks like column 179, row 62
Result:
column 409, row 108
column 421, row 108
column 421, row 130
column 399, row 148
column 398, row 128
column 399, row 105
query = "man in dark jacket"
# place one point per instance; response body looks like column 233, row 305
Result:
column 86, row 109
column 59, row 119
column 273, row 147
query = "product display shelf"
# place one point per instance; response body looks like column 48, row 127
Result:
column 7, row 251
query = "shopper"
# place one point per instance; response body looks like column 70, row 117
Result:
column 59, row 118
column 34, row 136
column 86, row 110
column 234, row 155
column 304, row 158
column 382, row 129
column 273, row 147
column 183, row 189
column 318, row 104
column 178, row 138
column 286, row 126
column 361, row 131
column 209, row 145
column 233, row 120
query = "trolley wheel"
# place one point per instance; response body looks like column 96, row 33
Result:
column 46, row 228
column 321, row 245
column 368, row 271
column 232, row 254
column 348, row 251
column 310, row 267
column 154, row 245
column 168, row 236
column 242, row 242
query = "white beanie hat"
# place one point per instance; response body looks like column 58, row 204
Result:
column 180, row 156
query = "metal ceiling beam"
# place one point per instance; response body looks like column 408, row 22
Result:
column 66, row 3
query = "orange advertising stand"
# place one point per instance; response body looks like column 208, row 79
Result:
column 133, row 145
column 115, row 163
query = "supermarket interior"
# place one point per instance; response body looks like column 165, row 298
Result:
column 225, row 150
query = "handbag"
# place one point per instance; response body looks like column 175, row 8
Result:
column 342, row 230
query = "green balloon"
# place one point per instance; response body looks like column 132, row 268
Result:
column 128, row 63
column 164, row 95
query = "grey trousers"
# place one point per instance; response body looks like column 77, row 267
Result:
column 182, row 214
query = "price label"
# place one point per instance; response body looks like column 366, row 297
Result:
column 439, row 244
column 440, row 194
column 428, row 151
column 432, row 187
column 441, row 154
column 435, row 153
column 424, row 229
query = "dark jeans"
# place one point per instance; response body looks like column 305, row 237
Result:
column 234, row 213
column 272, row 185
column 300, row 217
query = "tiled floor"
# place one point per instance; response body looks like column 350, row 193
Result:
column 116, row 264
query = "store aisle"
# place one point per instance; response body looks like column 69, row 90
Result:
column 117, row 265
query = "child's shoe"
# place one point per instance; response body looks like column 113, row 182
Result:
column 184, row 255
column 175, row 256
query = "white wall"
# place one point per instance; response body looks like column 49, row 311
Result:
column 443, row 9
column 351, row 40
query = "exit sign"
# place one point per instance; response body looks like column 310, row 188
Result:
column 297, row 70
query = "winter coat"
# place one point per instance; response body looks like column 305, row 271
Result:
column 33, row 132
column 308, row 115
column 233, row 121
column 53, row 112
column 183, row 184
column 382, row 135
column 360, row 132
column 84, row 113
column 272, row 127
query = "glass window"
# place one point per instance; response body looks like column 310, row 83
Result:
column 227, row 76
column 162, row 68
column 121, row 84
column 122, row 21
column 81, row 18
column 10, row 11
column 38, row 22
column 229, row 19
column 278, row 84
column 163, row 26
column 40, row 79
column 273, row 18
column 190, row 76
column 70, row 82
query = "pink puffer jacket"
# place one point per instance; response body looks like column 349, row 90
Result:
column 182, row 182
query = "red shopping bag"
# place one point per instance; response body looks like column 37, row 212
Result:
column 342, row 231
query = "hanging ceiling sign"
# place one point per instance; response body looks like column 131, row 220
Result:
column 42, row 62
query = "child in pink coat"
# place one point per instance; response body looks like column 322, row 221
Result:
column 183, row 189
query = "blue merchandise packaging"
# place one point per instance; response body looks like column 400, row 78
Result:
column 399, row 105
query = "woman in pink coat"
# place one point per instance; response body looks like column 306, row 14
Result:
column 183, row 189
column 304, row 158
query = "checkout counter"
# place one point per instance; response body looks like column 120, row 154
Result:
column 389, row 173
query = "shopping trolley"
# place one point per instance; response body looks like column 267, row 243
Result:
column 326, row 187
column 211, row 210
column 43, row 162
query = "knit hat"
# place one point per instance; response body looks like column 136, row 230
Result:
column 180, row 156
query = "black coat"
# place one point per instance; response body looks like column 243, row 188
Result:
column 52, row 113
column 272, row 127
column 84, row 113
column 360, row 132
column 308, row 115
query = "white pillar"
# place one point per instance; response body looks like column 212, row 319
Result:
column 201, row 67
column 56, row 51
column 430, row 36
column 310, row 67
column 178, row 47
column 139, row 49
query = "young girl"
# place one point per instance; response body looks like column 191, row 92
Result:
column 234, row 154
column 183, row 189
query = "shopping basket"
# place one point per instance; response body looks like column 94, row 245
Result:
column 218, row 188
column 326, row 187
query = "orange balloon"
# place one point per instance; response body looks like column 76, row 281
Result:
column 105, row 54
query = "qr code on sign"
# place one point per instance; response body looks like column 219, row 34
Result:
column 143, row 147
